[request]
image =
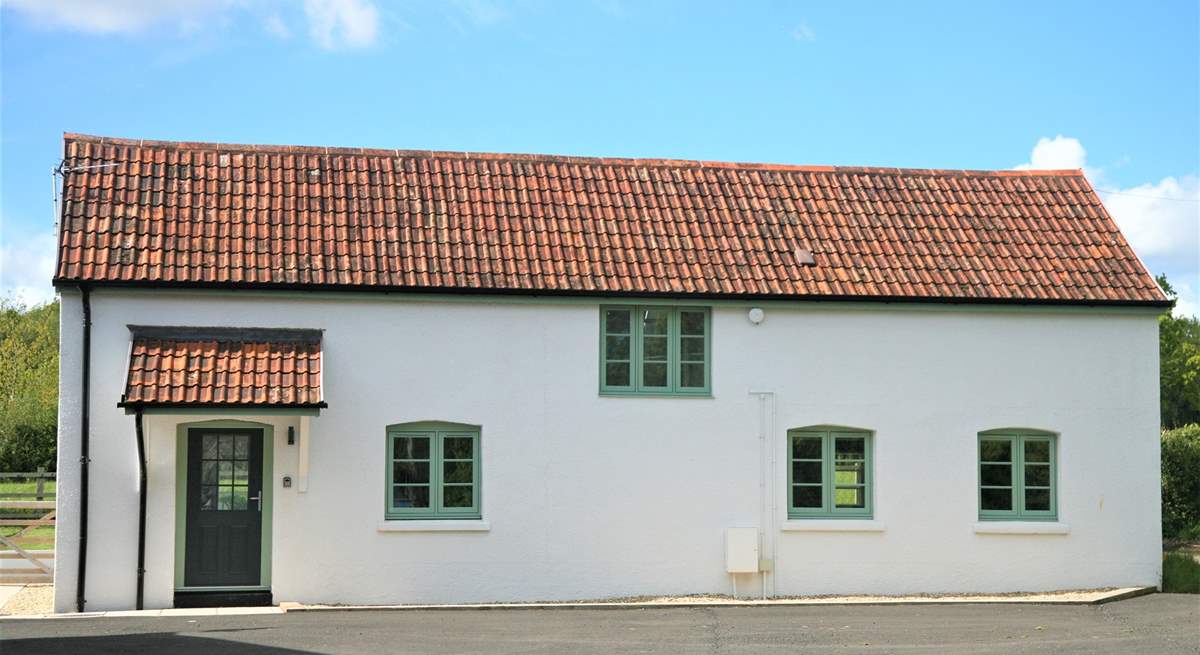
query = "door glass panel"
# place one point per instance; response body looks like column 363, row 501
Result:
column 224, row 471
column 208, row 497
column 240, row 497
column 208, row 447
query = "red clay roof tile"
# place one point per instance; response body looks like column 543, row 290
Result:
column 223, row 366
column 195, row 214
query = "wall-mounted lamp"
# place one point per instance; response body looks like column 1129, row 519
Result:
column 291, row 435
column 756, row 315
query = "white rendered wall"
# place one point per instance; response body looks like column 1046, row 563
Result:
column 591, row 497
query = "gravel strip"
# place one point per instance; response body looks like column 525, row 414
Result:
column 31, row 599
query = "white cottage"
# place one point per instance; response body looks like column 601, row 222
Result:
column 387, row 376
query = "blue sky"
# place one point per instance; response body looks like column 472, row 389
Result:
column 1113, row 88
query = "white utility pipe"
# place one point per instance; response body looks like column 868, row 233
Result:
column 766, row 486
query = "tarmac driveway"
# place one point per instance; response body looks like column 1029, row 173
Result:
column 1160, row 623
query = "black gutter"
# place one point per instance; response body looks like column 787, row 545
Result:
column 141, row 555
column 601, row 293
column 84, row 438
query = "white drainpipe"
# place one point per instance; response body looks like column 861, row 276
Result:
column 768, row 505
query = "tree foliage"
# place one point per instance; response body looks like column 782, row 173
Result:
column 28, row 385
column 1179, row 366
column 1181, row 482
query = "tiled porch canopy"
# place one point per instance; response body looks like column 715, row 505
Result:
column 171, row 366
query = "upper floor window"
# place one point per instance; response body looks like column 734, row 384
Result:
column 655, row 350
column 829, row 473
column 1016, row 475
column 433, row 471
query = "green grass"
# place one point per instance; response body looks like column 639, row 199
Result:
column 1181, row 573
column 40, row 537
column 8, row 487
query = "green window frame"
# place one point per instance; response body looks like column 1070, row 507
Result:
column 1018, row 473
column 830, row 473
column 433, row 471
column 655, row 350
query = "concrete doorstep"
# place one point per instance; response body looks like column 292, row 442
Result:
column 1081, row 597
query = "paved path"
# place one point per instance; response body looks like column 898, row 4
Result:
column 1161, row 623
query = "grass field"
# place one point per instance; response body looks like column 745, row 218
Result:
column 38, row 538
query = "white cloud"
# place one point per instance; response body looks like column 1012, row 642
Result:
column 1188, row 302
column 1057, row 153
column 804, row 33
column 117, row 16
column 26, row 268
column 1161, row 220
column 336, row 24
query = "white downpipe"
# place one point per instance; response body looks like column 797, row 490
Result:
column 766, row 487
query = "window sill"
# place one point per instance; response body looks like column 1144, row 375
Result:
column 466, row 525
column 833, row 525
column 1021, row 527
column 665, row 394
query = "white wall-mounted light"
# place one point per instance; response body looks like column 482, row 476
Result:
column 756, row 315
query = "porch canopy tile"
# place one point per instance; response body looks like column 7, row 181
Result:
column 173, row 366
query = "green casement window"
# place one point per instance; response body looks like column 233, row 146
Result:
column 1017, row 469
column 655, row 349
column 433, row 471
column 829, row 473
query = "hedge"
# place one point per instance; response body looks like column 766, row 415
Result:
column 1181, row 482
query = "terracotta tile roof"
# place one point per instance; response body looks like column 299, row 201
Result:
column 205, row 215
column 223, row 367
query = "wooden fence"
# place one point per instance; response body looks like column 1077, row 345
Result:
column 26, row 510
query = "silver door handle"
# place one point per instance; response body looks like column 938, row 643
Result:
column 257, row 500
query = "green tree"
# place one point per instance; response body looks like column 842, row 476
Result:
column 1179, row 366
column 28, row 385
column 1181, row 482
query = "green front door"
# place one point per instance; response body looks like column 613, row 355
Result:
column 224, row 507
